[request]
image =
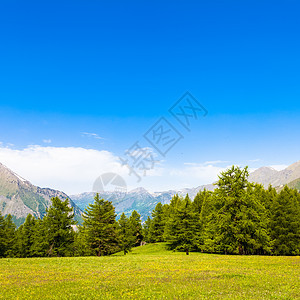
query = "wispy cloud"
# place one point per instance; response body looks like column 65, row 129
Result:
column 92, row 135
column 216, row 162
column 47, row 141
column 213, row 162
column 254, row 160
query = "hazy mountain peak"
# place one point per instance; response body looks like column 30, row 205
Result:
column 139, row 190
column 10, row 173
column 268, row 175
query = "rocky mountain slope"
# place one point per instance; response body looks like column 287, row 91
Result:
column 268, row 175
column 19, row 197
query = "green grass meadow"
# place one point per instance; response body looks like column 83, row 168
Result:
column 151, row 272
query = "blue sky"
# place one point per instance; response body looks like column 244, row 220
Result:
column 69, row 68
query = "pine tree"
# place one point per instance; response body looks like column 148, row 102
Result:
column 41, row 244
column 100, row 227
column 157, row 226
column 136, row 226
column 285, row 223
column 202, row 206
column 25, row 237
column 199, row 200
column 236, row 223
column 146, row 230
column 81, row 246
column 8, row 236
column 2, row 237
column 181, row 227
column 60, row 234
column 126, row 235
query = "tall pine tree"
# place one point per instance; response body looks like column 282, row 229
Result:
column 136, row 226
column 285, row 222
column 236, row 223
column 100, row 227
column 157, row 225
column 126, row 235
column 181, row 227
column 60, row 234
column 25, row 237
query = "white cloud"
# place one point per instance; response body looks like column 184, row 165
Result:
column 198, row 174
column 92, row 135
column 47, row 141
column 215, row 162
column 74, row 170
column 279, row 167
column 254, row 160
column 70, row 169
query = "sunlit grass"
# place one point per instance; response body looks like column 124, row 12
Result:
column 151, row 272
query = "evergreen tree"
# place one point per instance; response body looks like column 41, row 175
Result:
column 25, row 237
column 41, row 244
column 136, row 226
column 126, row 235
column 267, row 197
column 157, row 226
column 81, row 246
column 285, row 223
column 237, row 220
column 8, row 236
column 233, row 182
column 203, row 206
column 100, row 227
column 2, row 237
column 146, row 230
column 199, row 200
column 58, row 222
column 181, row 227
column 175, row 202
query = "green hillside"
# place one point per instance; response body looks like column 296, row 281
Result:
column 151, row 272
column 295, row 184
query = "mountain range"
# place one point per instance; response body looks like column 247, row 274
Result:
column 19, row 197
column 144, row 202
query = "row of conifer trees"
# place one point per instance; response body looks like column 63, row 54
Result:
column 238, row 217
column 58, row 235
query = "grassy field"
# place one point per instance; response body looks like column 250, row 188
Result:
column 151, row 272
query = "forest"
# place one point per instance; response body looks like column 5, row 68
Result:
column 238, row 217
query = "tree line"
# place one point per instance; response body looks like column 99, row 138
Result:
column 238, row 217
column 57, row 235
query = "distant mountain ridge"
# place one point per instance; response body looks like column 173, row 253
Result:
column 144, row 202
column 19, row 197
column 138, row 199
column 268, row 175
